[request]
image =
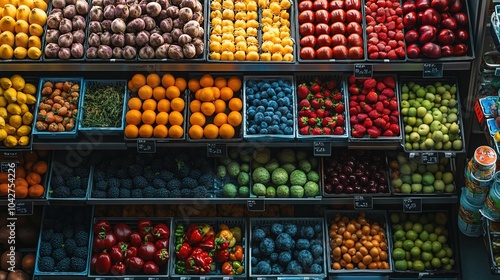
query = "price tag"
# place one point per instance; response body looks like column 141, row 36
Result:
column 412, row 205
column 24, row 208
column 146, row 146
column 11, row 154
column 5, row 166
column 216, row 150
column 363, row 202
column 256, row 205
column 429, row 158
column 433, row 70
column 227, row 278
column 322, row 149
column 497, row 71
column 363, row 70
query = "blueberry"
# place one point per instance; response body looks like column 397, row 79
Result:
column 259, row 117
column 264, row 94
column 264, row 101
column 257, row 96
column 287, row 90
column 260, row 84
column 276, row 118
column 282, row 126
column 270, row 109
column 263, row 125
column 265, row 86
column 289, row 123
column 255, row 102
column 273, row 104
column 280, row 132
column 268, row 114
column 251, row 130
column 280, row 94
column 264, row 131
column 255, row 88
column 261, row 108
column 282, row 119
column 288, row 130
column 250, row 83
column 251, row 113
column 278, row 113
column 274, row 98
column 271, row 129
column 250, row 91
column 281, row 103
column 268, row 119
column 271, row 92
column 289, row 115
column 283, row 110
column 252, row 107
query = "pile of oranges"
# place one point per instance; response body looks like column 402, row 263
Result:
column 215, row 108
column 156, row 106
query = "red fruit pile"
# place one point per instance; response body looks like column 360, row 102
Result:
column 118, row 250
column 330, row 29
column 384, row 28
column 373, row 107
column 321, row 108
column 435, row 28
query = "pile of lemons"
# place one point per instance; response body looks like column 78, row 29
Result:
column 15, row 117
column 21, row 28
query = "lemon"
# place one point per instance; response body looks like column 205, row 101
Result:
column 24, row 109
column 21, row 97
column 6, row 52
column 20, row 52
column 18, row 82
column 2, row 122
column 3, row 102
column 5, row 83
column 10, row 141
column 10, row 129
column 1, row 91
column 14, row 109
column 3, row 112
column 27, row 118
column 16, row 121
column 34, row 53
column 21, row 40
column 3, row 134
column 24, row 130
column 10, row 95
column 23, row 141
column 30, row 99
column 29, row 88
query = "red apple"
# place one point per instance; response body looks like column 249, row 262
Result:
column 353, row 16
column 305, row 5
column 306, row 16
column 324, row 40
column 322, row 16
column 308, row 41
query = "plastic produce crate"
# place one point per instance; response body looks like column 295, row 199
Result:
column 485, row 103
column 71, row 134
column 271, row 137
column 234, row 170
column 132, row 223
column 371, row 217
column 81, row 222
column 318, row 231
column 452, row 81
column 215, row 223
column 111, row 130
column 301, row 78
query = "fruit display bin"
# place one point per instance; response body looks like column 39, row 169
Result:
column 81, row 217
column 217, row 225
column 317, row 236
column 89, row 84
column 72, row 134
column 58, row 167
column 132, row 223
column 238, row 133
column 232, row 178
column 469, row 42
column 366, row 138
column 452, row 81
column 371, row 217
column 492, row 240
column 298, row 37
column 303, row 78
column 446, row 225
column 397, row 160
column 268, row 137
column 365, row 164
column 287, row 160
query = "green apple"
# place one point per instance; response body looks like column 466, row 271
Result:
column 415, row 137
column 415, row 87
column 420, row 92
column 416, row 178
column 404, row 111
column 407, row 137
column 405, row 169
column 447, row 145
column 423, row 129
column 454, row 136
column 412, row 112
column 428, row 189
column 433, row 168
column 449, row 188
column 406, row 188
column 439, row 185
column 426, row 104
column 411, row 120
column 452, row 117
column 406, row 179
column 437, row 115
column 412, row 95
column 445, row 102
column 454, row 128
column 440, row 89
column 446, row 95
column 405, row 96
column 448, row 177
column 417, row 103
column 438, row 175
column 397, row 182
column 415, row 146
column 428, row 178
column 429, row 96
column 431, row 89
column 453, row 110
column 437, row 98
column 437, row 136
column 438, row 146
column 444, row 129
column 453, row 89
column 405, row 104
column 419, row 122
column 408, row 145
column 443, row 109
column 416, row 188
column 457, row 144
column 422, row 146
column 452, row 103
column 435, row 125
column 421, row 170
column 428, row 119
column 429, row 143
column 408, row 128
column 405, row 89
column 419, row 99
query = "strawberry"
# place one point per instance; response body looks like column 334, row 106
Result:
column 312, row 114
column 331, row 85
column 316, row 103
column 358, row 131
column 327, row 130
column 386, row 112
column 390, row 82
column 303, row 113
column 388, row 133
column 320, row 113
column 367, row 108
column 353, row 89
column 393, row 105
column 362, row 117
column 339, row 108
column 373, row 114
column 379, row 107
column 316, row 131
column 328, row 104
column 340, row 120
column 353, row 111
column 354, row 97
column 312, row 121
column 351, row 79
column 315, row 87
column 394, row 128
column 393, row 119
column 304, row 104
column 303, row 121
column 370, row 83
column 305, row 130
column 385, row 117
column 361, row 98
column 389, row 92
column 337, row 96
column 382, row 97
column 380, row 86
column 327, row 93
column 372, row 97
column 302, row 91
column 368, row 122
column 338, row 130
column 326, row 121
column 353, row 120
column 373, row 132
column 379, row 122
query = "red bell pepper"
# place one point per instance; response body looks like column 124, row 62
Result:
column 151, row 268
column 222, row 255
column 227, row 268
column 104, row 241
column 199, row 262
column 122, row 232
column 182, row 251
column 162, row 243
column 135, row 239
column 207, row 243
column 147, row 251
column 144, row 226
column 195, row 234
column 161, row 231
column 101, row 226
column 118, row 252
column 131, row 252
column 135, row 264
column 162, row 256
column 118, row 269
column 103, row 263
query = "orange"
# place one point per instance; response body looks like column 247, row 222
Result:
column 162, row 118
column 159, row 93
column 173, row 92
column 175, row 118
column 207, row 94
column 133, row 117
column 195, row 105
column 234, row 83
column 131, row 86
column 148, row 117
column 235, row 104
column 220, row 82
column 226, row 93
column 160, row 131
column 197, row 118
column 138, row 80
column 180, row 83
column 131, row 131
column 153, row 80
column 146, row 131
column 164, row 105
column 177, row 104
column 211, row 131
column 207, row 108
column 206, row 80
column 197, row 94
column 134, row 103
column 145, row 92
column 216, row 92
column 167, row 80
column 193, row 85
column 220, row 119
column 195, row 132
column 149, row 104
column 220, row 106
column 176, row 131
column 234, row 118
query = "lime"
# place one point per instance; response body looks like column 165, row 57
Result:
column 399, row 235
column 436, row 246
column 408, row 244
column 440, row 254
column 436, row 262
column 428, row 265
column 412, row 235
column 429, row 227
column 407, row 256
column 447, row 267
column 439, row 230
column 449, row 252
column 415, row 252
column 427, row 246
column 408, row 225
column 424, row 235
column 426, row 256
column 418, row 265
column 398, row 244
column 433, row 237
column 419, row 243
column 442, row 239
column 441, row 218
column 445, row 261
column 417, row 227
column 400, row 265
column 398, row 254
column 423, row 219
column 397, row 227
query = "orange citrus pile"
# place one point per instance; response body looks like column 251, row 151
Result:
column 157, row 106
column 215, row 108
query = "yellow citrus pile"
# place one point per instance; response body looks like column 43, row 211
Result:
column 15, row 116
column 215, row 110
column 234, row 30
column 21, row 27
column 156, row 109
